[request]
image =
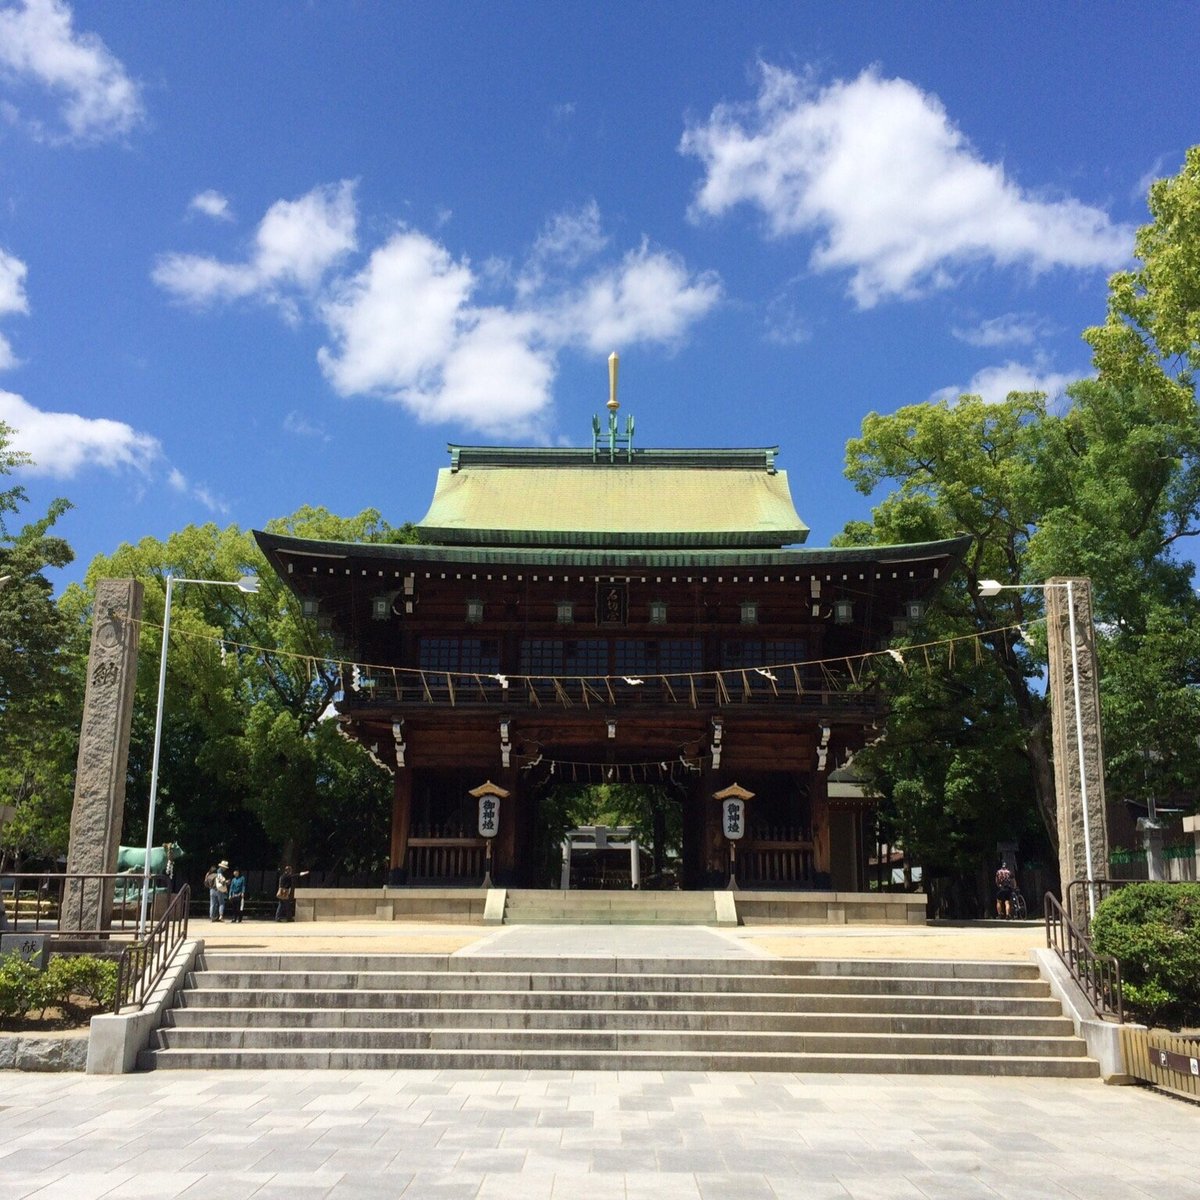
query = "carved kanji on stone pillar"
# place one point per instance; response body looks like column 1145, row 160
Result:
column 103, row 749
column 1075, row 721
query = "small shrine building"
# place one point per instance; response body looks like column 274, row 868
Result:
column 615, row 614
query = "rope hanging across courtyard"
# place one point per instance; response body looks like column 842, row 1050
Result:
column 678, row 686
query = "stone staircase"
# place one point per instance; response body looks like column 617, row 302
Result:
column 604, row 907
column 392, row 1011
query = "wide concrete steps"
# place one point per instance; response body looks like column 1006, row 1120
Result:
column 430, row 1011
column 550, row 907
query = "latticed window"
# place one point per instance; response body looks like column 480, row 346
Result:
column 656, row 656
column 469, row 655
column 762, row 652
column 559, row 656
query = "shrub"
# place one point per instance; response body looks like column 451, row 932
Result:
column 87, row 976
column 21, row 986
column 1153, row 930
column 25, row 989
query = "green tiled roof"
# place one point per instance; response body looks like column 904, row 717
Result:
column 658, row 498
column 279, row 548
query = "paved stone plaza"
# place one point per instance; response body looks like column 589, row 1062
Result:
column 548, row 1135
column 589, row 1136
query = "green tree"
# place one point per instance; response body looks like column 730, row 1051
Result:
column 251, row 763
column 1150, row 339
column 40, row 693
column 962, row 467
column 1107, row 486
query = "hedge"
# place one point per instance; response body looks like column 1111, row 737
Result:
column 25, row 989
column 1153, row 929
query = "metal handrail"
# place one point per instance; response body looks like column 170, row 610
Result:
column 56, row 902
column 144, row 963
column 1098, row 975
column 1076, row 898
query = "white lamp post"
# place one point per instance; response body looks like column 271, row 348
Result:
column 990, row 587
column 249, row 584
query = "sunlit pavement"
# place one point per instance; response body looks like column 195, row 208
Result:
column 984, row 940
column 563, row 1135
column 589, row 1136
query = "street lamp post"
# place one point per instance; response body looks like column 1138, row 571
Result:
column 248, row 584
column 990, row 587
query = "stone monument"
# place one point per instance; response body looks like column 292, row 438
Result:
column 99, row 806
column 1074, row 693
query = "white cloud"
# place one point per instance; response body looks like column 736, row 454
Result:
column 179, row 482
column 567, row 239
column 496, row 377
column 62, row 444
column 295, row 245
column 38, row 43
column 412, row 325
column 649, row 296
column 12, row 300
column 211, row 203
column 296, row 422
column 893, row 191
column 785, row 324
column 12, row 285
column 995, row 383
column 210, row 500
column 404, row 328
column 1011, row 329
column 396, row 321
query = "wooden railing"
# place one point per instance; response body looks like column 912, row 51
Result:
column 775, row 863
column 1098, row 975
column 710, row 689
column 144, row 963
column 1163, row 1059
column 455, row 860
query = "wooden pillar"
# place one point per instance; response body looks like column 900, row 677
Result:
column 693, row 835
column 822, row 840
column 402, row 789
column 715, row 862
column 510, row 849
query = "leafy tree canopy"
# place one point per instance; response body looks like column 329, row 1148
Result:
column 39, row 690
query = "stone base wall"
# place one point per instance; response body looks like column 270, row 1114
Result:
column 831, row 908
column 44, row 1052
column 465, row 906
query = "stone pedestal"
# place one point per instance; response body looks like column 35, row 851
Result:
column 103, row 751
column 1075, row 720
column 1152, row 844
column 1192, row 825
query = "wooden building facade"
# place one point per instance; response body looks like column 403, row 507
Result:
column 615, row 614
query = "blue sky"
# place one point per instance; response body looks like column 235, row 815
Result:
column 254, row 256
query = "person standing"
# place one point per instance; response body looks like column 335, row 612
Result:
column 237, row 897
column 1004, row 892
column 218, row 890
column 285, row 894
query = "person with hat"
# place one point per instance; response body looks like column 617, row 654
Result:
column 218, row 890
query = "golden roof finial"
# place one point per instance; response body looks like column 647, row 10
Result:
column 613, row 402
